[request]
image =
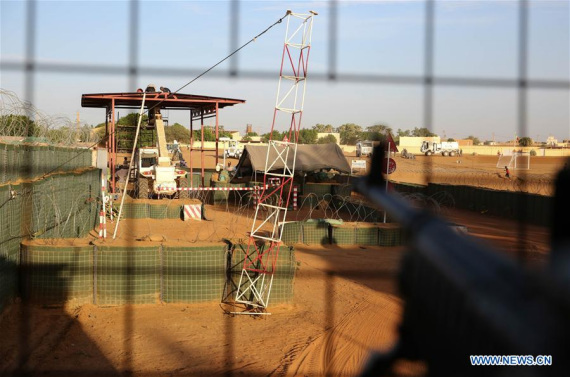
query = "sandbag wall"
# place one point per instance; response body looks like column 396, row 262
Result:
column 62, row 205
column 321, row 232
column 530, row 208
column 116, row 275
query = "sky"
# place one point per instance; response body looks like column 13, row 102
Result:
column 472, row 39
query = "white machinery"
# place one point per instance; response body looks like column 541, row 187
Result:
column 232, row 148
column 156, row 174
column 446, row 148
column 364, row 148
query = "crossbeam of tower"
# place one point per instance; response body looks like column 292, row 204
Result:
column 260, row 262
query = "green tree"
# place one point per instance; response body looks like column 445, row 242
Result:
column 525, row 141
column 451, row 139
column 275, row 135
column 246, row 139
column 18, row 125
column 322, row 128
column 350, row 133
column 476, row 140
column 251, row 134
column 307, row 136
column 177, row 132
column 422, row 132
column 327, row 139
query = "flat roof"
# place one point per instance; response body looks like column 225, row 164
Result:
column 174, row 101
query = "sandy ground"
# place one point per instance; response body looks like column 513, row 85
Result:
column 346, row 304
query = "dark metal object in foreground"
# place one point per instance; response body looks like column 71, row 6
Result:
column 462, row 299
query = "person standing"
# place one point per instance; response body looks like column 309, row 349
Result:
column 507, row 173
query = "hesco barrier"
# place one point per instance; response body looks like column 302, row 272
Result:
column 320, row 231
column 530, row 208
column 61, row 205
column 116, row 275
column 64, row 205
column 52, row 275
column 10, row 238
column 282, row 287
column 193, row 274
column 22, row 161
column 134, row 210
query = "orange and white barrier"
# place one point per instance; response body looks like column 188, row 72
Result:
column 193, row 212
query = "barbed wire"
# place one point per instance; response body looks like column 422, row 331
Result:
column 21, row 119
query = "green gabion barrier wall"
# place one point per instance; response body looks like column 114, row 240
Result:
column 65, row 205
column 60, row 205
column 134, row 210
column 291, row 233
column 54, row 275
column 117, row 275
column 10, row 238
column 343, row 235
column 127, row 275
column 21, row 161
column 315, row 232
column 366, row 236
column 193, row 274
column 319, row 189
column 530, row 208
column 158, row 211
column 282, row 288
column 391, row 235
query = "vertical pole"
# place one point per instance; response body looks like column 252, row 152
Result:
column 202, row 147
column 191, row 147
column 217, row 134
column 113, row 146
column 387, row 173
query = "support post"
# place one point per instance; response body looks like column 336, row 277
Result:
column 202, row 147
column 191, row 148
column 387, row 174
column 113, row 146
column 217, row 135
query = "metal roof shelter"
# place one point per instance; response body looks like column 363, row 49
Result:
column 200, row 108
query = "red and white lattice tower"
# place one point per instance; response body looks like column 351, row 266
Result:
column 260, row 263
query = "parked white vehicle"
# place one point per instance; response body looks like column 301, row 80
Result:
column 446, row 148
column 364, row 148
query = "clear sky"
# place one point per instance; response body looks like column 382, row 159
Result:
column 473, row 39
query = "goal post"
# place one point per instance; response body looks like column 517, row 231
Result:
column 514, row 160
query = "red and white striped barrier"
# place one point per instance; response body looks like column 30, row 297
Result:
column 294, row 198
column 193, row 212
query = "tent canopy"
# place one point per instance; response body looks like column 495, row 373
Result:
column 310, row 157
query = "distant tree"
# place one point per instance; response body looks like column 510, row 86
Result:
column 17, row 125
column 251, row 134
column 401, row 132
column 476, row 140
column 132, row 119
column 327, row 139
column 376, row 132
column 422, row 132
column 487, row 142
column 246, row 139
column 322, row 128
column 307, row 136
column 177, row 132
column 275, row 135
column 451, row 139
column 525, row 141
column 350, row 133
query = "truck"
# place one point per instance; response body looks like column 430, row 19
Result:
column 364, row 148
column 446, row 148
column 156, row 173
column 232, row 148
